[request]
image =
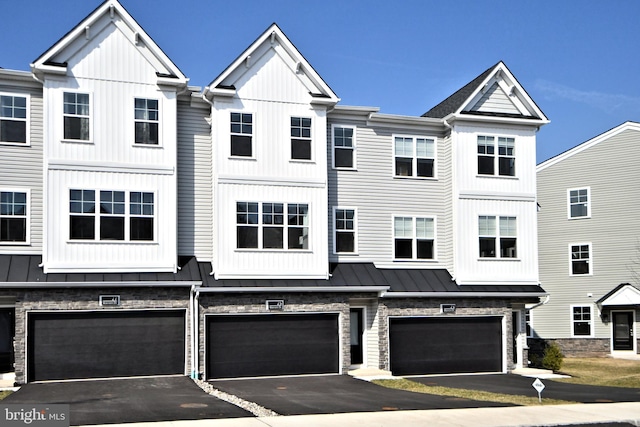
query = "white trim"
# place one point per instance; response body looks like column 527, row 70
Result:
column 254, row 154
column 335, row 230
column 27, row 191
column 588, row 215
column 159, row 122
column 364, row 337
column 91, row 116
column 414, row 156
column 354, row 147
column 288, row 289
column 589, row 260
column 310, row 139
column 414, row 239
column 94, row 166
column 123, row 284
column 26, row 120
column 591, row 320
column 276, row 182
column 507, row 294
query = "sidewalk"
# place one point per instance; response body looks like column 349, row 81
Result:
column 477, row 417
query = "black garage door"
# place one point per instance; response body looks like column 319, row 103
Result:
column 426, row 345
column 279, row 344
column 105, row 344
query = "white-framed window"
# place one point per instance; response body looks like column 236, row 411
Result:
column 300, row 138
column 502, row 164
column 115, row 218
column 344, row 230
column 497, row 236
column 414, row 156
column 344, row 146
column 414, row 238
column 266, row 225
column 581, row 321
column 241, row 134
column 146, row 118
column 14, row 119
column 579, row 202
column 77, row 116
column 14, row 216
column 580, row 256
column 528, row 322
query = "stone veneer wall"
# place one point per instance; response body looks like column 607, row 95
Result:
column 310, row 302
column 572, row 347
column 87, row 299
column 431, row 307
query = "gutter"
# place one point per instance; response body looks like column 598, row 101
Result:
column 462, row 294
column 546, row 300
column 253, row 289
column 81, row 284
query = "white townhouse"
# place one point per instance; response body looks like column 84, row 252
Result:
column 256, row 227
column 589, row 251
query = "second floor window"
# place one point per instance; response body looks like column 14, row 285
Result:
column 414, row 238
column 414, row 156
column 272, row 225
column 146, row 121
column 581, row 259
column 13, row 216
column 345, row 230
column 300, row 138
column 579, row 203
column 343, row 147
column 497, row 236
column 13, row 119
column 241, row 135
column 505, row 161
column 76, row 116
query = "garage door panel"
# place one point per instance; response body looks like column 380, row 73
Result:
column 445, row 345
column 264, row 345
column 105, row 344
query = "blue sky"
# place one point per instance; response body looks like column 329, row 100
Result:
column 577, row 59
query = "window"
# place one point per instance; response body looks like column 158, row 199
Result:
column 581, row 259
column 414, row 156
column 76, row 116
column 487, row 156
column 343, row 147
column 141, row 207
column 115, row 219
column 241, row 134
column 528, row 323
column 497, row 236
column 300, row 138
column 13, row 216
column 13, row 119
column 581, row 321
column 146, row 121
column 414, row 238
column 263, row 225
column 344, row 230
column 579, row 203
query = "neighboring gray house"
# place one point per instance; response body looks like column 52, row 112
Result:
column 589, row 246
column 256, row 227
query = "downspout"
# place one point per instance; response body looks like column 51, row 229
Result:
column 196, row 335
column 193, row 322
column 546, row 300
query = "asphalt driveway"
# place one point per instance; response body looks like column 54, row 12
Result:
column 330, row 394
column 117, row 401
column 519, row 385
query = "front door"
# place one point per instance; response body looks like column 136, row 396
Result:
column 356, row 316
column 623, row 330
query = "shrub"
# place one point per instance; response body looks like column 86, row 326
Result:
column 552, row 357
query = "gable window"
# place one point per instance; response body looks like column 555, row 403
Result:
column 115, row 219
column 13, row 216
column 487, row 159
column 581, row 321
column 414, row 238
column 13, row 119
column 581, row 259
column 263, row 225
column 76, row 116
column 300, row 138
column 497, row 236
column 343, row 147
column 146, row 121
column 344, row 230
column 242, row 134
column 414, row 156
column 579, row 203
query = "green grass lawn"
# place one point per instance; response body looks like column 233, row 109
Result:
column 603, row 371
column 4, row 394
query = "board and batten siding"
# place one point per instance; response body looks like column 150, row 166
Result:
column 610, row 170
column 21, row 166
column 378, row 196
column 195, row 187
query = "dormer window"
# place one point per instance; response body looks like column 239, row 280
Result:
column 76, row 116
column 241, row 135
column 146, row 121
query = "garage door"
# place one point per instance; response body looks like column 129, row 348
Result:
column 422, row 345
column 263, row 345
column 105, row 344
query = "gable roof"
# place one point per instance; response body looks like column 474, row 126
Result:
column 588, row 144
column 54, row 59
column 496, row 84
column 224, row 83
column 623, row 294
